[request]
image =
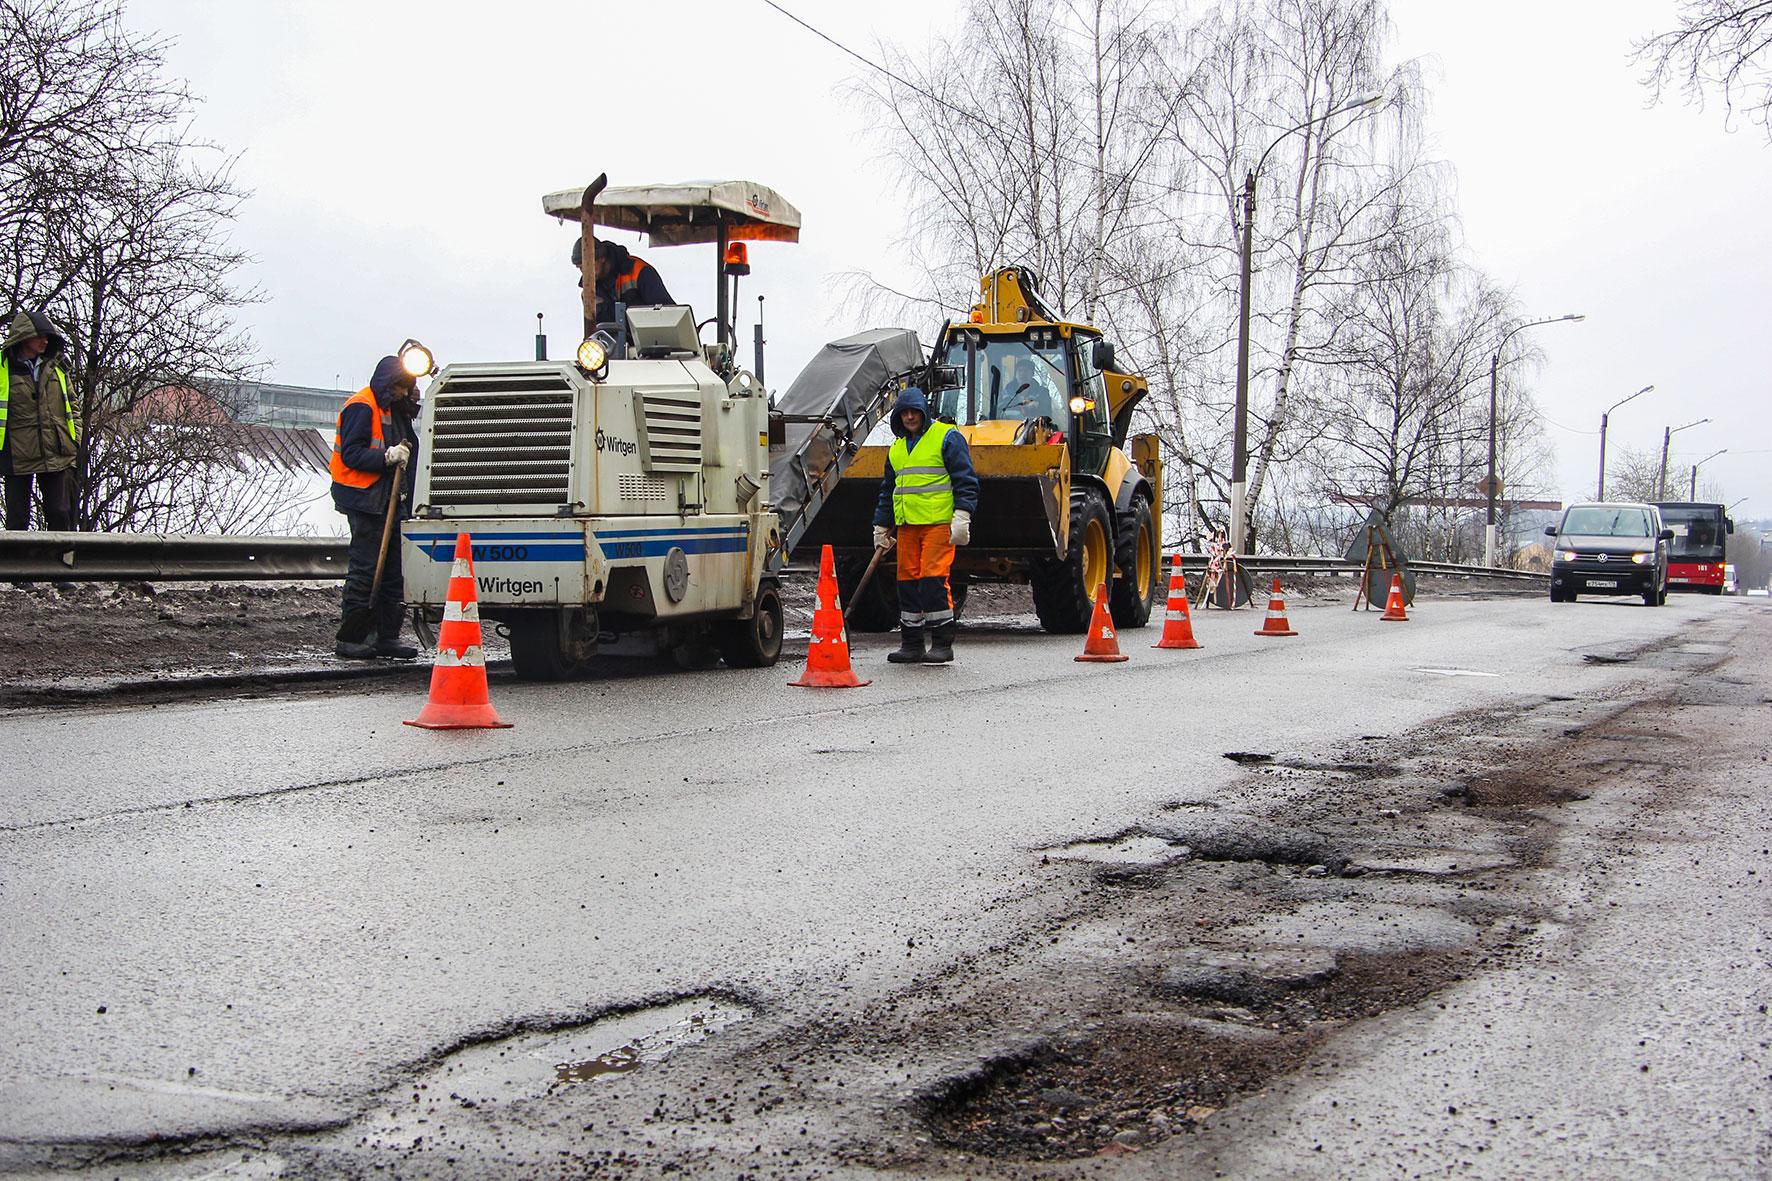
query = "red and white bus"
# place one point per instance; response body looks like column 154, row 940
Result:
column 1695, row 559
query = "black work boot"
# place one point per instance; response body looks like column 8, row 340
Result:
column 910, row 648
column 355, row 651
column 394, row 649
column 941, row 647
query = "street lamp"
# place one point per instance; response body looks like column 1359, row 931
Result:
column 1692, row 494
column 1492, row 487
column 1601, row 494
column 1240, row 429
column 1667, row 436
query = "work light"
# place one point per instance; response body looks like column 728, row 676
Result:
column 416, row 359
column 593, row 355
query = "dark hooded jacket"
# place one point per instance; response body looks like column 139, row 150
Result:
column 646, row 289
column 956, row 456
column 355, row 432
column 39, row 436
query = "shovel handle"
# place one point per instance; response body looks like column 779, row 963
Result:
column 387, row 531
column 867, row 576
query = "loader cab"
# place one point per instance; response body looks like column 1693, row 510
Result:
column 1021, row 387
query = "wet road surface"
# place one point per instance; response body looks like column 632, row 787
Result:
column 269, row 922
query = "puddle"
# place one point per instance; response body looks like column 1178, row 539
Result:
column 1130, row 850
column 531, row 1065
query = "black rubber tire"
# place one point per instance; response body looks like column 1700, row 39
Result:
column 877, row 609
column 1130, row 603
column 1062, row 599
column 753, row 642
column 536, row 653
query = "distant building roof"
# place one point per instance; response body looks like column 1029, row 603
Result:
column 289, row 406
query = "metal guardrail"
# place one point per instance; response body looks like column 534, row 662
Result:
column 167, row 557
column 192, row 557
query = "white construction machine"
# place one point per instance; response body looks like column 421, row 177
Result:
column 623, row 491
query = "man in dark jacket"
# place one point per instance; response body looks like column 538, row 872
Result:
column 622, row 278
column 39, row 432
column 374, row 438
column 927, row 498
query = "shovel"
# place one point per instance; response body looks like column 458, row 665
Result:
column 867, row 576
column 360, row 620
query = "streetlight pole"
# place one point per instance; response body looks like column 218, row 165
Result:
column 1667, row 437
column 1692, row 493
column 1491, row 487
column 1240, row 419
column 1601, row 493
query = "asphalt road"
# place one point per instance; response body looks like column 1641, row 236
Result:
column 252, row 929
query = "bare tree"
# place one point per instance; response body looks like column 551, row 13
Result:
column 1718, row 45
column 117, row 225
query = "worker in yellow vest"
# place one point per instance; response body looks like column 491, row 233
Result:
column 927, row 499
column 373, row 438
column 39, row 432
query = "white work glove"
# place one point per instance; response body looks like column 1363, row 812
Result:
column 960, row 531
column 882, row 537
column 396, row 455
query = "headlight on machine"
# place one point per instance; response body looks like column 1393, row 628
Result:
column 416, row 359
column 1642, row 559
column 1079, row 404
column 593, row 355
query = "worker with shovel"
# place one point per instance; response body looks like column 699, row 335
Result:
column 927, row 499
column 372, row 487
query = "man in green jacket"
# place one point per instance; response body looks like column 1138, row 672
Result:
column 38, row 431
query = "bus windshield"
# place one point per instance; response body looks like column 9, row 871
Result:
column 1698, row 530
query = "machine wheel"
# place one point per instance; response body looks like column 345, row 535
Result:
column 1132, row 595
column 538, row 652
column 877, row 609
column 1064, row 590
column 753, row 642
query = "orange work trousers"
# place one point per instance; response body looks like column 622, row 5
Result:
column 925, row 557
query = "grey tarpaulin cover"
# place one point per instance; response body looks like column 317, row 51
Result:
column 843, row 384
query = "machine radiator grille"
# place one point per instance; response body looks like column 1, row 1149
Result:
column 634, row 486
column 501, row 438
column 670, row 431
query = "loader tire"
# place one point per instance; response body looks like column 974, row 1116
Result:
column 1138, row 555
column 1064, row 589
column 877, row 608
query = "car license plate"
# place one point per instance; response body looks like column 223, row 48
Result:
column 1606, row 582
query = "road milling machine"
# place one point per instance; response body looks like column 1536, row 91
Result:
column 623, row 491
column 1069, row 499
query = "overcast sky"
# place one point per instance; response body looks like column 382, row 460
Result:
column 398, row 151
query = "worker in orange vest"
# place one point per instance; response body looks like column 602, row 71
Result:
column 374, row 437
column 623, row 278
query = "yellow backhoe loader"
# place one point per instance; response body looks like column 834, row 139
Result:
column 1067, row 501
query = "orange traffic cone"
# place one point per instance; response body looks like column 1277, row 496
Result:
column 1103, row 644
column 1178, row 625
column 1276, row 624
column 1394, row 611
column 459, row 700
column 827, row 660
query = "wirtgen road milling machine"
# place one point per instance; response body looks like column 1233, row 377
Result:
column 623, row 491
column 1068, row 499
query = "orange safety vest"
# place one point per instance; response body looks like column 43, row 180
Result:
column 628, row 281
column 379, row 420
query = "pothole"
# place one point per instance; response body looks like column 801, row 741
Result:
column 531, row 1065
column 1131, row 848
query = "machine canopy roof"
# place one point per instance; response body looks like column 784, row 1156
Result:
column 686, row 213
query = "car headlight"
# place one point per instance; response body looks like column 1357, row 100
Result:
column 1567, row 555
column 1642, row 559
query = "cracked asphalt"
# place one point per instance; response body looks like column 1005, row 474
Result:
column 1489, row 908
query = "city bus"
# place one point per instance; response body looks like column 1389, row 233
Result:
column 1695, row 560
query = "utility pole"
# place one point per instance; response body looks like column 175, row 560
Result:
column 1667, row 437
column 1491, row 485
column 1600, row 493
